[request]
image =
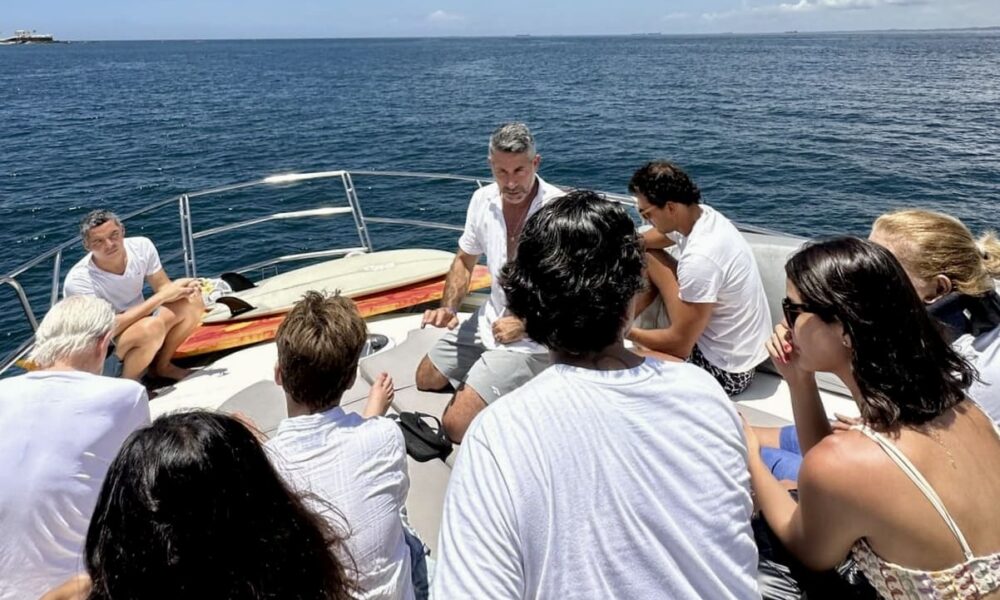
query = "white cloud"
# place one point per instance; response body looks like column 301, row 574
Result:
column 803, row 6
column 440, row 16
column 807, row 5
column 675, row 16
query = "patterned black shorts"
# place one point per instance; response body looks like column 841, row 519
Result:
column 732, row 383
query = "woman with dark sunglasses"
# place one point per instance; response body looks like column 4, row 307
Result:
column 954, row 273
column 910, row 491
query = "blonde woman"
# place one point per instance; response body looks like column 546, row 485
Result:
column 955, row 275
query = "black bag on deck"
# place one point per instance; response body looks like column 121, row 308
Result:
column 424, row 442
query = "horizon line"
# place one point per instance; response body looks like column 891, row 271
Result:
column 540, row 35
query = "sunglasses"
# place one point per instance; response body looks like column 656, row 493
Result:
column 792, row 310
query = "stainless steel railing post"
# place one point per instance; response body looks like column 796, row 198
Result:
column 23, row 299
column 187, row 236
column 54, row 297
column 359, row 218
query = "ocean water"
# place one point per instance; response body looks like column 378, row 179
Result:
column 808, row 134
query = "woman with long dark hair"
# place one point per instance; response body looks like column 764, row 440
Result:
column 910, row 491
column 191, row 508
column 954, row 274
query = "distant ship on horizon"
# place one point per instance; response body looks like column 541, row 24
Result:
column 23, row 36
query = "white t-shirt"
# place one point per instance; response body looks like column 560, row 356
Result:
column 716, row 265
column 984, row 353
column 59, row 432
column 602, row 484
column 358, row 467
column 486, row 233
column 122, row 291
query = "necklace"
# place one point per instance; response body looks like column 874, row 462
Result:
column 514, row 232
column 936, row 436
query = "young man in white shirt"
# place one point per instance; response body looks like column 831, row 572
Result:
column 608, row 475
column 147, row 330
column 354, row 464
column 712, row 291
column 488, row 355
column 60, row 428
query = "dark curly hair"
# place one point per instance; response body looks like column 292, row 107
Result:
column 661, row 182
column 906, row 371
column 192, row 508
column 578, row 265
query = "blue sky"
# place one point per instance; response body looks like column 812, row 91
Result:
column 204, row 19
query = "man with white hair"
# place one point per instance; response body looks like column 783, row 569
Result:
column 488, row 355
column 60, row 427
column 147, row 330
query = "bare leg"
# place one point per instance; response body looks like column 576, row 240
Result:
column 458, row 415
column 645, row 298
column 138, row 344
column 180, row 318
column 662, row 269
column 429, row 379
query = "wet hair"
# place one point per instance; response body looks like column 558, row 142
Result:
column 931, row 243
column 907, row 373
column 72, row 326
column 319, row 345
column 515, row 138
column 192, row 508
column 578, row 265
column 96, row 218
column 661, row 182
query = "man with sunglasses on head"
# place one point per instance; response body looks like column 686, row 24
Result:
column 147, row 330
column 710, row 287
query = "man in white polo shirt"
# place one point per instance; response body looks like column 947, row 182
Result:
column 147, row 330
column 712, row 291
column 488, row 355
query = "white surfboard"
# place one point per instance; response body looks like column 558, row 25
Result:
column 354, row 276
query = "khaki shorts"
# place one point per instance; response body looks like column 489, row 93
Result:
column 461, row 357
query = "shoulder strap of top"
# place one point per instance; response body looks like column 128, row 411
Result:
column 918, row 479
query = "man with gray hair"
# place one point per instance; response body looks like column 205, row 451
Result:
column 488, row 355
column 147, row 330
column 60, row 427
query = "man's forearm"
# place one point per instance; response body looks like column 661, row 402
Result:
column 654, row 240
column 456, row 284
column 666, row 340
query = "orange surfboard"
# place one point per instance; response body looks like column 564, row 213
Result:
column 214, row 337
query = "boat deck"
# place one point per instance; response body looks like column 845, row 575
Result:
column 243, row 383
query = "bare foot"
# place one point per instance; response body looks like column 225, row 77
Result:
column 170, row 371
column 380, row 397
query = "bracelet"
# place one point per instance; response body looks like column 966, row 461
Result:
column 451, row 310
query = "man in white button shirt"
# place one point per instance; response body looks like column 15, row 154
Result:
column 147, row 330
column 488, row 355
column 712, row 290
